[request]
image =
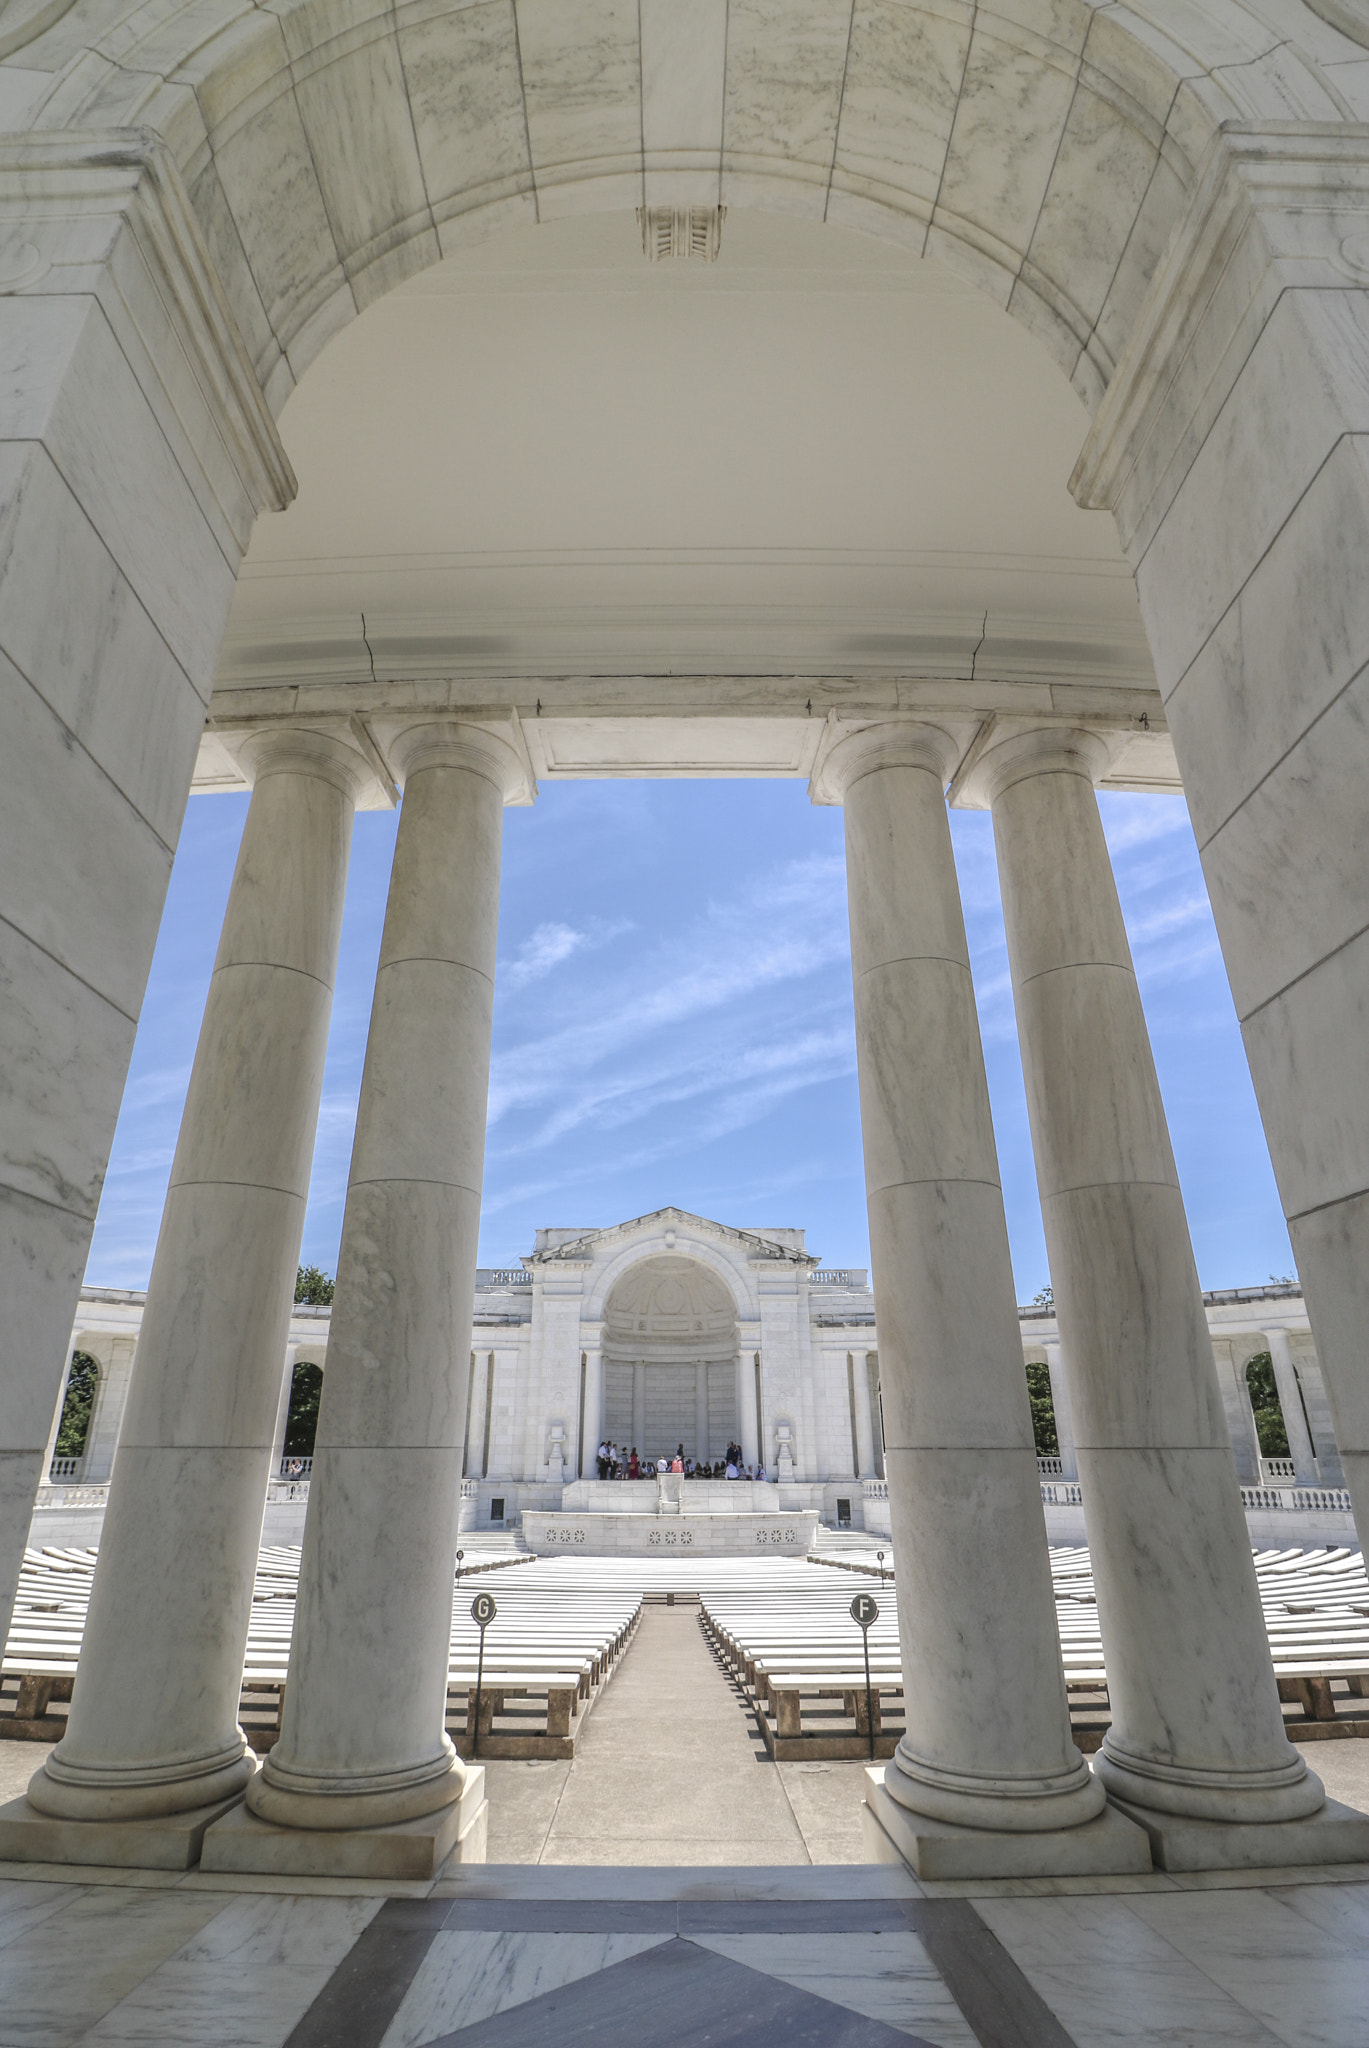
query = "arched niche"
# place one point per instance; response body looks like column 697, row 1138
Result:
column 670, row 1359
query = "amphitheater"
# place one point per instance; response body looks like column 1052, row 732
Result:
column 412, row 407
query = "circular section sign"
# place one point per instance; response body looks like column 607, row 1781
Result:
column 483, row 1609
column 864, row 1609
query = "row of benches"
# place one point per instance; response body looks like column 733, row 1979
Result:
column 547, row 1655
column 798, row 1652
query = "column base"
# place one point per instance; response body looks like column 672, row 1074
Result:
column 170, row 1841
column 1334, row 1834
column 1102, row 1847
column 241, row 1841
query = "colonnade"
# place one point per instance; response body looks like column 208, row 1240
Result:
column 1197, row 1734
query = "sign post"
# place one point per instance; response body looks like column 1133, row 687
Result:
column 864, row 1610
column 483, row 1611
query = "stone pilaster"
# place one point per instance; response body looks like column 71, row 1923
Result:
column 137, row 451
column 1233, row 449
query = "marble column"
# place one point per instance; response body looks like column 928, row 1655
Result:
column 1060, row 1401
column 153, row 1727
column 106, row 1423
column 594, row 1408
column 700, row 1410
column 1290, row 1400
column 975, row 1598
column 282, row 1412
column 362, row 1738
column 748, row 1422
column 638, row 1409
column 1196, row 1724
column 55, row 1430
column 865, row 1434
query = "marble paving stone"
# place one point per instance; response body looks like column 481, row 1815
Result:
column 61, row 1976
column 678, row 1995
column 1110, row 1979
column 1306, row 1986
column 721, row 1881
column 471, row 1976
column 24, row 1905
column 245, row 1978
column 360, row 1999
column 888, row 1977
column 564, row 1916
column 1342, row 1910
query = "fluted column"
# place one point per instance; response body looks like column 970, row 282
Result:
column 1196, row 1727
column 700, row 1410
column 1290, row 1400
column 362, row 1739
column 154, row 1717
column 982, row 1749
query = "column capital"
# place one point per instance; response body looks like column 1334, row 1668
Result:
column 895, row 743
column 500, row 756
column 300, row 750
column 1038, row 750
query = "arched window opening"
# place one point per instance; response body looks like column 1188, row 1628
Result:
column 301, row 1422
column 82, row 1385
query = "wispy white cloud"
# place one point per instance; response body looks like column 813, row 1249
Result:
column 550, row 945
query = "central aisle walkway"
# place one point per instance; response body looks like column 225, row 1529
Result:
column 669, row 1769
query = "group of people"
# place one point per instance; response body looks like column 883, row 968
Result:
column 616, row 1462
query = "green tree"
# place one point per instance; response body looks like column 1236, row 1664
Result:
column 82, row 1383
column 301, row 1424
column 312, row 1285
column 1043, row 1411
column 1264, row 1399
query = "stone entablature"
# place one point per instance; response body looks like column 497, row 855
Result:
column 562, row 1327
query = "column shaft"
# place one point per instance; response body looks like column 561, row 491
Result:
column 1196, row 1725
column 154, row 1715
column 1060, row 1401
column 594, row 1411
column 975, row 1597
column 362, row 1739
column 287, row 1381
column 865, row 1434
column 700, row 1410
column 1290, row 1400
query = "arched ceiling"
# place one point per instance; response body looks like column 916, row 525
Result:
column 554, row 474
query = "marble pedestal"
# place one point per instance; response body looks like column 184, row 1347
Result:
column 164, row 1841
column 407, row 1849
column 1334, row 1834
column 780, row 1534
column 1106, row 1846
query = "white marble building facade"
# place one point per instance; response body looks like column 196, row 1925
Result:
column 673, row 1329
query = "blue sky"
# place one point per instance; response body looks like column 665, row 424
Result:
column 673, row 1024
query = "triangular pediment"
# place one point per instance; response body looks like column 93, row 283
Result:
column 590, row 1243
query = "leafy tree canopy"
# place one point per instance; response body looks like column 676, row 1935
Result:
column 1264, row 1399
column 313, row 1286
column 1043, row 1411
column 78, row 1406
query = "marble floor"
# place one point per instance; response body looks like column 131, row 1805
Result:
column 837, row 1956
